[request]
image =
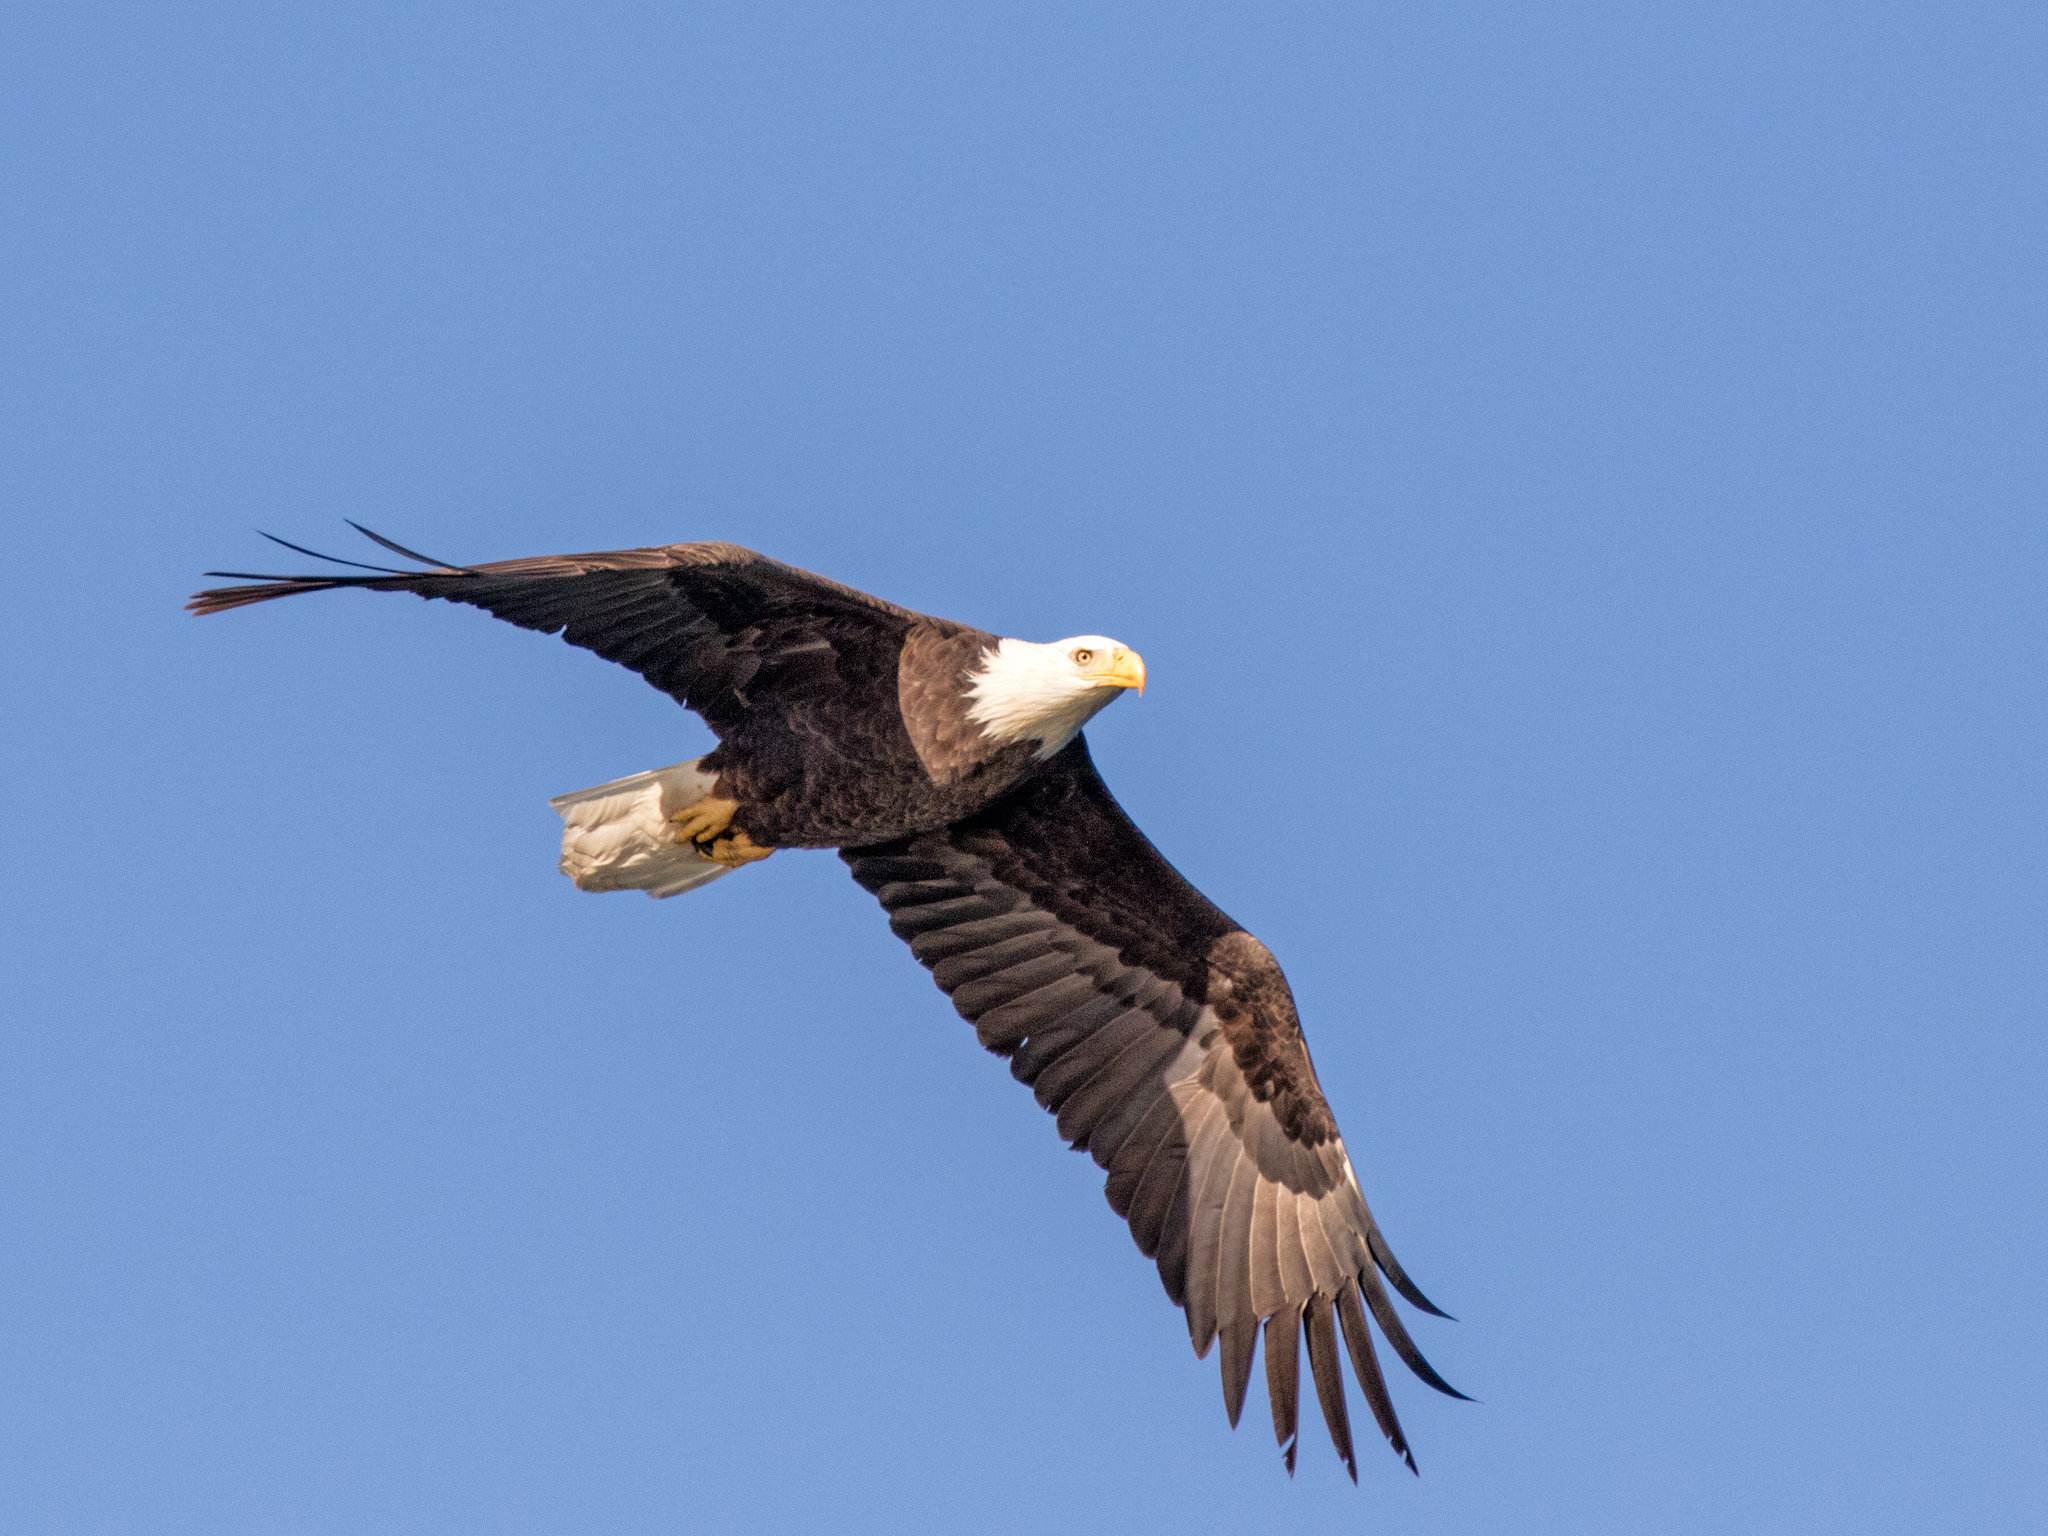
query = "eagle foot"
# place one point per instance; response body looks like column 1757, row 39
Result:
column 734, row 851
column 704, row 821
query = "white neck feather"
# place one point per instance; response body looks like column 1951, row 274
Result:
column 1025, row 691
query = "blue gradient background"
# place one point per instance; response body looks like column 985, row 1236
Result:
column 1577, row 475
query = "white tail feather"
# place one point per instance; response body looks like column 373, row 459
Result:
column 618, row 837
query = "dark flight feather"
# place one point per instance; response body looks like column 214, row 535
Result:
column 1329, row 1378
column 1163, row 1037
column 314, row 554
column 1365, row 1363
column 1283, row 1379
column 400, row 549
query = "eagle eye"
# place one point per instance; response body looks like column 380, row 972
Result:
column 1083, row 656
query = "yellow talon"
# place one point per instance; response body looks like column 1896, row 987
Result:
column 734, row 851
column 704, row 821
column 707, row 827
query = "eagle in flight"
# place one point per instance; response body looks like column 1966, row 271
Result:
column 947, row 767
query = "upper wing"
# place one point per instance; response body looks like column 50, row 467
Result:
column 716, row 626
column 1164, row 1038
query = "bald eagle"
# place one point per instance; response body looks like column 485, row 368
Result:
column 947, row 767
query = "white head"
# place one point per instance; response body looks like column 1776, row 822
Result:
column 1048, row 692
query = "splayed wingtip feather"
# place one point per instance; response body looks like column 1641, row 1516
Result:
column 399, row 549
column 314, row 554
column 1383, row 1256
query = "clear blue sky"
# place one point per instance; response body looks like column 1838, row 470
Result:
column 1577, row 475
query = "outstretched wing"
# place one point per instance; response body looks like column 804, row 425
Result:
column 1164, row 1038
column 715, row 626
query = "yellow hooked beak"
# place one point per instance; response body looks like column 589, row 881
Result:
column 1126, row 669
